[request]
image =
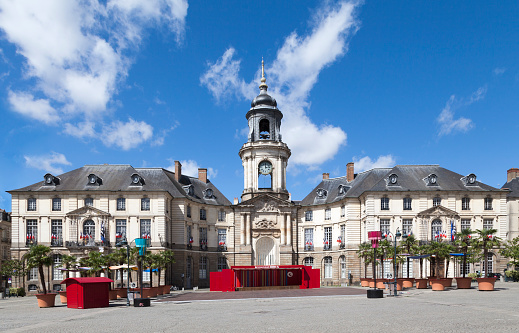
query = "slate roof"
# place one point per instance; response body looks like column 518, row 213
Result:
column 410, row 178
column 513, row 186
column 118, row 178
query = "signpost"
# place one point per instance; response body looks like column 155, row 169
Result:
column 375, row 237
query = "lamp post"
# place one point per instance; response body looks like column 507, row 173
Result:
column 124, row 242
column 396, row 236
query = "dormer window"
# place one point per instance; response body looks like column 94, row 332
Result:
column 470, row 179
column 208, row 194
column 343, row 189
column 137, row 180
column 189, row 189
column 432, row 180
column 94, row 180
column 321, row 193
column 393, row 179
column 50, row 180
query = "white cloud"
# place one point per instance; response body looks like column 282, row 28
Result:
column 78, row 51
column 81, row 130
column 127, row 135
column 190, row 168
column 499, row 70
column 47, row 163
column 38, row 109
column 292, row 75
column 365, row 163
column 446, row 118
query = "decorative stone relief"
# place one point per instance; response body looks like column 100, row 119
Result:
column 264, row 224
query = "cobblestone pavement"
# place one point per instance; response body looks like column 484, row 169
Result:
column 324, row 309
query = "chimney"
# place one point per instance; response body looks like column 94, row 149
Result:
column 511, row 174
column 236, row 201
column 326, row 175
column 202, row 174
column 350, row 171
column 178, row 171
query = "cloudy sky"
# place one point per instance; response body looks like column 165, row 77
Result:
column 148, row 82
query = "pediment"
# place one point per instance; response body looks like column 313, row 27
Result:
column 266, row 203
column 87, row 210
column 438, row 211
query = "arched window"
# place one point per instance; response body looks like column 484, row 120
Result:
column 308, row 261
column 342, row 262
column 328, row 268
column 436, row 229
column 89, row 229
column 264, row 129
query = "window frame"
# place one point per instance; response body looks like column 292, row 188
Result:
column 31, row 204
column 385, row 226
column 145, row 228
column 437, row 201
column 121, row 204
column 88, row 201
column 309, row 215
column 328, row 236
column 384, row 203
column 203, row 214
column 488, row 203
column 465, row 203
column 408, row 203
column 328, row 267
column 328, row 214
column 56, row 204
column 202, row 268
column 145, row 204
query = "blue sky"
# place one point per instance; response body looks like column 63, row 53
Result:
column 145, row 83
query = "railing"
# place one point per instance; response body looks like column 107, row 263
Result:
column 222, row 248
column 31, row 242
column 189, row 246
column 6, row 240
column 203, row 247
column 327, row 247
column 309, row 247
column 56, row 242
column 86, row 243
column 342, row 246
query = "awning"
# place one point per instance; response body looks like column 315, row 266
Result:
column 459, row 254
column 420, row 257
column 153, row 270
column 113, row 268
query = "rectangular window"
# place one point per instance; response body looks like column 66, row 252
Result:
column 121, row 204
column 221, row 215
column 407, row 226
column 308, row 261
column 188, row 211
column 203, row 237
column 465, row 269
column 404, row 268
column 222, row 264
column 222, row 238
column 32, row 232
column 33, row 274
column 145, row 204
column 146, row 275
column 343, row 211
column 309, row 215
column 56, row 236
column 146, row 228
column 309, row 239
column 328, row 214
column 465, row 203
column 437, row 201
column 56, row 204
column 407, row 203
column 202, row 269
column 328, row 268
column 203, row 215
column 327, row 238
column 465, row 224
column 189, row 235
column 488, row 203
column 57, row 273
column 118, row 276
column 343, row 267
column 343, row 233
column 384, row 226
column 488, row 224
column 384, row 203
column 31, row 204
column 120, row 229
column 89, row 202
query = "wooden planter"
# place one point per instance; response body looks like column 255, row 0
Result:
column 408, row 282
column 112, row 295
column 159, row 290
column 364, row 282
column 486, row 284
column 148, row 293
column 422, row 283
column 463, row 283
column 166, row 289
column 437, row 284
column 448, row 282
column 63, row 297
column 122, row 292
column 46, row 300
column 371, row 283
column 399, row 284
column 381, row 283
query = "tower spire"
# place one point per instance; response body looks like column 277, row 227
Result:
column 263, row 79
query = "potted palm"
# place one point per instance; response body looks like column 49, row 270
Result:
column 39, row 257
column 410, row 244
column 167, row 257
column 439, row 251
column 421, row 283
column 120, row 257
column 365, row 252
column 66, row 262
column 486, row 241
column 464, row 242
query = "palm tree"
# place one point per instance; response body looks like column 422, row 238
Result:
column 383, row 247
column 119, row 257
column 449, row 248
column 95, row 262
column 365, row 252
column 152, row 260
column 440, row 251
column 166, row 257
column 410, row 244
column 66, row 262
column 39, row 256
column 486, row 241
column 464, row 241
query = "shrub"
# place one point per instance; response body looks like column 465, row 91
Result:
column 474, row 275
column 17, row 291
column 513, row 275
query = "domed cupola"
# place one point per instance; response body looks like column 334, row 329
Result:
column 263, row 98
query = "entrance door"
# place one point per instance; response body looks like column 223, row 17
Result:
column 266, row 253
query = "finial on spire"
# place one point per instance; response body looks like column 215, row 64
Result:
column 263, row 79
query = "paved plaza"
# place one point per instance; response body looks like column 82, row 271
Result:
column 325, row 309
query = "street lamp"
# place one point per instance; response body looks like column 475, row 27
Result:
column 397, row 235
column 124, row 242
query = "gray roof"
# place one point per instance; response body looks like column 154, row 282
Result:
column 409, row 178
column 118, row 178
column 513, row 186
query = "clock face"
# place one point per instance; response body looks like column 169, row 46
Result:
column 48, row 180
column 135, row 179
column 92, row 179
column 392, row 179
column 265, row 167
column 433, row 179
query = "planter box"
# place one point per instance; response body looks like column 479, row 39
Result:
column 463, row 283
column 381, row 283
column 46, row 300
column 166, row 289
column 159, row 290
column 407, row 282
column 122, row 292
column 448, row 282
column 437, row 284
column 63, row 297
column 148, row 293
column 112, row 295
column 364, row 282
column 422, row 283
column 486, row 284
column 399, row 284
column 371, row 283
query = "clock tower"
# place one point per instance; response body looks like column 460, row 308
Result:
column 264, row 156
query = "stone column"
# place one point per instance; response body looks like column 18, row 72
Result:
column 248, row 227
column 289, row 229
column 242, row 229
column 282, row 227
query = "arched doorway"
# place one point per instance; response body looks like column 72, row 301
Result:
column 266, row 253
